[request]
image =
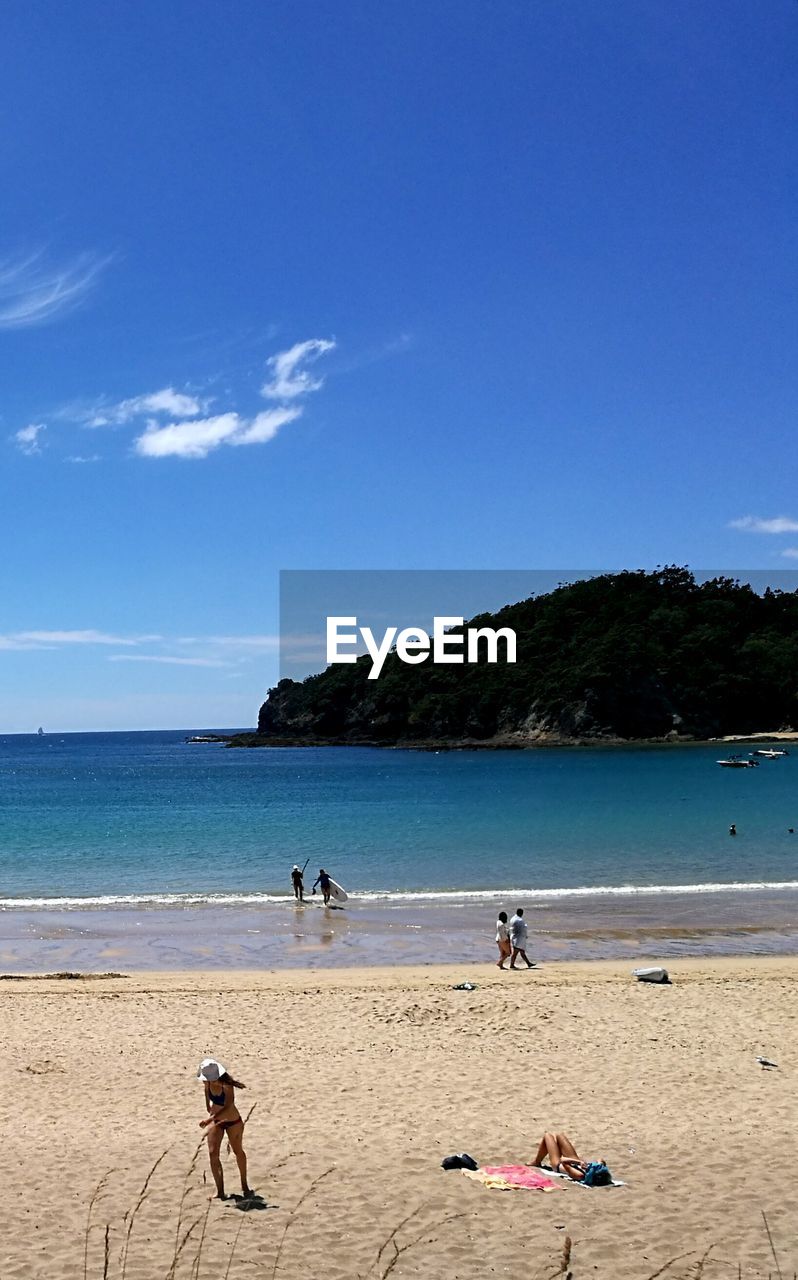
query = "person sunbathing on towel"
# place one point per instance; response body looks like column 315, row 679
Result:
column 562, row 1156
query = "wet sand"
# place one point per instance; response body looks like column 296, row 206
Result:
column 401, row 931
column 363, row 1080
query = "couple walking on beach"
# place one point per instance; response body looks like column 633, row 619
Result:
column 511, row 939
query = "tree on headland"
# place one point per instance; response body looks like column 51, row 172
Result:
column 630, row 655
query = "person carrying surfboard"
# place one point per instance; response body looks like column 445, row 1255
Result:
column 323, row 881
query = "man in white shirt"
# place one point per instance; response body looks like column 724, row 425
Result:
column 518, row 936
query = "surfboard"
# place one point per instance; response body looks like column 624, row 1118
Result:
column 336, row 892
column 653, row 974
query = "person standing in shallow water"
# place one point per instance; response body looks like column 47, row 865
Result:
column 518, row 936
column 223, row 1118
column 323, row 881
column 502, row 939
column 298, row 882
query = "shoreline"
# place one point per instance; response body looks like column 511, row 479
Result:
column 505, row 742
column 385, row 898
column 631, row 928
column 501, row 742
column 382, row 976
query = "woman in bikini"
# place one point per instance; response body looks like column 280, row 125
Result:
column 223, row 1118
column 562, row 1156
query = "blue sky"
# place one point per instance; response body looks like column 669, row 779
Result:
column 430, row 285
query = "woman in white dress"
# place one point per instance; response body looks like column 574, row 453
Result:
column 502, row 939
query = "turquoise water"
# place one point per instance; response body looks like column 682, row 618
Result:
column 140, row 816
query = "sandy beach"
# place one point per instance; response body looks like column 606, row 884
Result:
column 362, row 1080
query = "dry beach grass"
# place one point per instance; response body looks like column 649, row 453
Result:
column 361, row 1081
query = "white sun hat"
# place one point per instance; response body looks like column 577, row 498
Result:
column 210, row 1070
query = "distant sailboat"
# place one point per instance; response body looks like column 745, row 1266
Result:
column 40, row 731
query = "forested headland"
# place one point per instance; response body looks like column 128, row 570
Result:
column 619, row 657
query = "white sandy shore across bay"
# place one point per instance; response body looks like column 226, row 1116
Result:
column 363, row 1080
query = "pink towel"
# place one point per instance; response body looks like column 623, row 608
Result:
column 519, row 1175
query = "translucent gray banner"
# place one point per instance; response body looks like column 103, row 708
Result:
column 398, row 599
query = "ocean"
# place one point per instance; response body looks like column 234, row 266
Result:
column 140, row 822
column 93, row 817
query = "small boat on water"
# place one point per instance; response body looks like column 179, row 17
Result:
column 40, row 732
column 769, row 753
column 738, row 762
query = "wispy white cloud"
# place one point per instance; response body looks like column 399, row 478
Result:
column 373, row 355
column 195, row 437
column 13, row 644
column 790, row 553
column 264, row 426
column 167, row 659
column 27, row 438
column 34, row 292
column 289, row 379
column 88, row 636
column 215, row 645
column 756, row 524
column 200, row 436
column 174, row 404
column 214, row 651
column 269, row 643
column 176, row 424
